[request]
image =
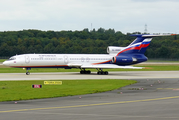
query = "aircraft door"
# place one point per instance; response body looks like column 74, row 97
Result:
column 27, row 59
column 65, row 59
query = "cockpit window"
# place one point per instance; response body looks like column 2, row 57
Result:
column 12, row 58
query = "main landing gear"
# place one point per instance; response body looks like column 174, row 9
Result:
column 27, row 72
column 83, row 71
column 101, row 72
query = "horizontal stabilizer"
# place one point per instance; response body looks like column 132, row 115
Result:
column 152, row 35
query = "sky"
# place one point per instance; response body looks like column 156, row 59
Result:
column 159, row 16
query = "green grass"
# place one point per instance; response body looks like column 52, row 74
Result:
column 161, row 68
column 22, row 90
column 2, row 60
column 163, row 60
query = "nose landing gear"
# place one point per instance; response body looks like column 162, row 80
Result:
column 100, row 71
column 27, row 72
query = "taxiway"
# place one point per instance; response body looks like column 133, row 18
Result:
column 155, row 97
column 76, row 75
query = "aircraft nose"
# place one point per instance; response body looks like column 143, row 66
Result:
column 5, row 63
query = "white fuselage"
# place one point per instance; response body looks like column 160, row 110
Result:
column 57, row 60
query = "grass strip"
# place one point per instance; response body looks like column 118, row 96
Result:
column 22, row 90
column 2, row 60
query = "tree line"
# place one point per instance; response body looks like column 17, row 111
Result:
column 79, row 42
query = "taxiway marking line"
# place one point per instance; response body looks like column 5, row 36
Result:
column 98, row 104
column 166, row 88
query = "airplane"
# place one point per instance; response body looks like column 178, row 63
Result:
column 117, row 57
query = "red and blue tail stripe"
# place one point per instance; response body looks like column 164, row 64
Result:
column 139, row 45
column 144, row 45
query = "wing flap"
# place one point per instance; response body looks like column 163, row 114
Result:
column 74, row 65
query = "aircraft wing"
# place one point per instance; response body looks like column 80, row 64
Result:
column 74, row 65
column 103, row 66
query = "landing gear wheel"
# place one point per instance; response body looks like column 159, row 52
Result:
column 106, row 72
column 88, row 72
column 27, row 73
column 101, row 72
column 85, row 72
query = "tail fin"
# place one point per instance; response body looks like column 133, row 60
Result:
column 139, row 45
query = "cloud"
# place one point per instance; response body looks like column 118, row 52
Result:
column 122, row 15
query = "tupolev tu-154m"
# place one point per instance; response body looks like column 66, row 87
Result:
column 117, row 57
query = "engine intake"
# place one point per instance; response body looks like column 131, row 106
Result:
column 114, row 50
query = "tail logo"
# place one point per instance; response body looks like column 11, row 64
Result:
column 137, row 47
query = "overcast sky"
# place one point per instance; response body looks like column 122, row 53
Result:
column 161, row 16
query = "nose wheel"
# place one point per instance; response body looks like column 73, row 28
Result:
column 27, row 72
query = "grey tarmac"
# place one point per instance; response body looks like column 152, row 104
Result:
column 76, row 75
column 155, row 96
